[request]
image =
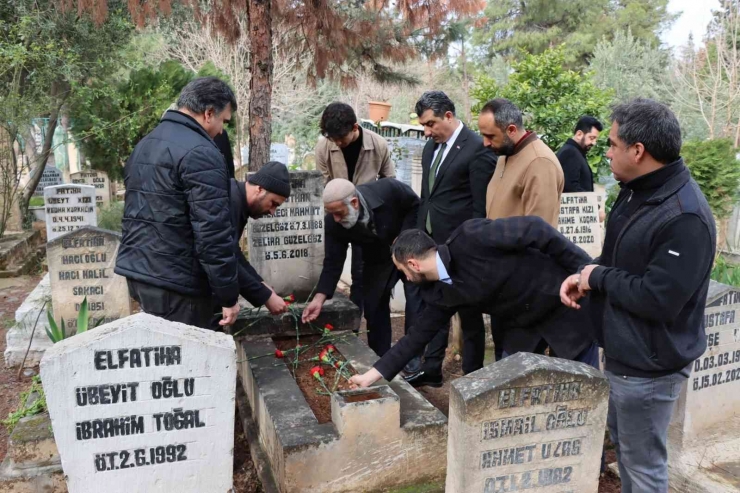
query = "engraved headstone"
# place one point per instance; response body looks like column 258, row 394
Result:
column 403, row 152
column 69, row 208
column 527, row 422
column 705, row 426
column 280, row 153
column 287, row 249
column 97, row 179
column 81, row 265
column 143, row 405
column 51, row 176
column 579, row 220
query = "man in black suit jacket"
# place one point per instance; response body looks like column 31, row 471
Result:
column 456, row 171
column 371, row 215
column 572, row 156
column 511, row 268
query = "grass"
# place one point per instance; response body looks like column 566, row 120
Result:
column 24, row 408
column 36, row 202
column 726, row 272
column 421, row 488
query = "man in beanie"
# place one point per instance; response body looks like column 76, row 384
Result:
column 177, row 247
column 263, row 192
column 371, row 215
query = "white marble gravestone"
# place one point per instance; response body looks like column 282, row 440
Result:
column 143, row 405
column 97, row 179
column 579, row 220
column 527, row 422
column 280, row 153
column 68, row 208
column 81, row 266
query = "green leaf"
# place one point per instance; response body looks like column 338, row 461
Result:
column 82, row 320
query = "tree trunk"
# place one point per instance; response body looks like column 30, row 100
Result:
column 41, row 159
column 260, row 86
column 466, row 84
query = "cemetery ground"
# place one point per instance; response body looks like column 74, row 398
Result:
column 14, row 290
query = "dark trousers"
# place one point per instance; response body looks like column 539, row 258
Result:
column 355, row 290
column 377, row 284
column 172, row 306
column 414, row 307
column 474, row 343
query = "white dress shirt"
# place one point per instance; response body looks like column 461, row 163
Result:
column 450, row 142
column 442, row 271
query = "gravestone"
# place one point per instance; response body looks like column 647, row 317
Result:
column 97, row 179
column 527, row 422
column 404, row 151
column 579, row 220
column 68, row 208
column 143, row 405
column 51, row 177
column 704, row 435
column 280, row 153
column 287, row 249
column 81, row 265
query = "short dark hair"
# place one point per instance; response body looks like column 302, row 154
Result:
column 653, row 125
column 504, row 112
column 206, row 92
column 413, row 243
column 437, row 101
column 586, row 123
column 337, row 120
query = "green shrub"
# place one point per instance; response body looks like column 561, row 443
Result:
column 36, row 202
column 717, row 171
column 725, row 272
column 111, row 217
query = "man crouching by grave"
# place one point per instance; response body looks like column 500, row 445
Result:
column 371, row 215
column 649, row 287
column 511, row 268
column 263, row 192
column 177, row 250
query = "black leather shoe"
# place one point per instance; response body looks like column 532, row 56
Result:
column 421, row 379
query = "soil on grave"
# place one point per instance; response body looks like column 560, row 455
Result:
column 315, row 395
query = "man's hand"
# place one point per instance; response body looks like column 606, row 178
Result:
column 229, row 314
column 584, row 285
column 569, row 293
column 269, row 287
column 276, row 304
column 313, row 310
column 365, row 380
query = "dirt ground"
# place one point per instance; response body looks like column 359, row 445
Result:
column 12, row 293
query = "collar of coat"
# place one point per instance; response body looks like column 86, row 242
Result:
column 575, row 144
column 526, row 140
column 175, row 116
column 368, row 143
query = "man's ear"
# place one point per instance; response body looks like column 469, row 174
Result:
column 355, row 202
column 578, row 135
column 639, row 151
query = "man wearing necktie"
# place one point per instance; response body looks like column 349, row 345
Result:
column 456, row 170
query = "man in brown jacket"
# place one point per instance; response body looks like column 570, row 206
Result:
column 346, row 150
column 528, row 180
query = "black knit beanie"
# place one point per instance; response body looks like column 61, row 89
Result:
column 273, row 177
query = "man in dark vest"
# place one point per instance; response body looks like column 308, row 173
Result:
column 371, row 215
column 648, row 288
column 511, row 268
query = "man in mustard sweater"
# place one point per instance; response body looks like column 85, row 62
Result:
column 528, row 180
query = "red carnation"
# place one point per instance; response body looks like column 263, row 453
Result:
column 328, row 327
column 330, row 348
column 317, row 372
column 279, row 353
column 337, row 364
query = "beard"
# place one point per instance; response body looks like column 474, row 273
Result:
column 507, row 148
column 584, row 146
column 351, row 218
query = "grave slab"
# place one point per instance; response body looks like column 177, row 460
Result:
column 68, row 208
column 32, row 309
column 390, row 441
column 81, row 266
column 51, row 177
column 527, row 422
column 287, row 249
column 579, row 220
column 97, row 179
column 704, row 435
column 143, row 404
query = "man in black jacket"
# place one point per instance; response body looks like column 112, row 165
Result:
column 511, row 268
column 177, row 247
column 649, row 287
column 572, row 156
column 456, row 169
column 371, row 215
column 263, row 192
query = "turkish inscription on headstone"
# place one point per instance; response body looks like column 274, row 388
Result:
column 143, row 405
column 528, row 422
column 69, row 208
column 81, row 265
column 579, row 220
column 711, row 397
column 51, row 176
column 97, row 179
column 287, row 249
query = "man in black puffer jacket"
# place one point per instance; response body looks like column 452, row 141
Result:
column 648, row 288
column 177, row 247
